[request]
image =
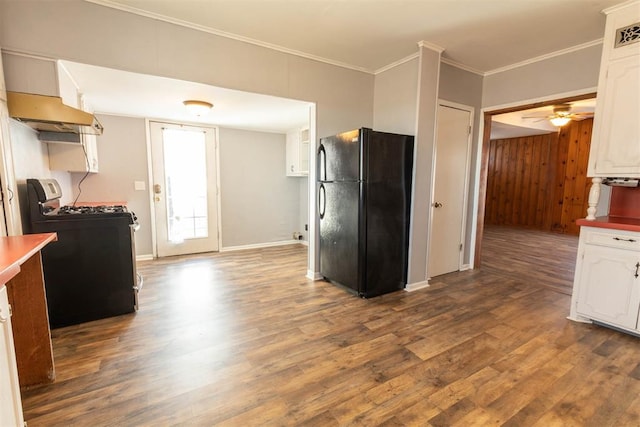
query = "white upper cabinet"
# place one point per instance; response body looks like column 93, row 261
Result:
column 297, row 153
column 82, row 157
column 48, row 77
column 615, row 144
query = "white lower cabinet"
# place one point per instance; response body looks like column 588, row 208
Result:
column 10, row 402
column 607, row 280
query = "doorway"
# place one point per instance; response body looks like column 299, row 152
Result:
column 451, row 178
column 485, row 159
column 185, row 188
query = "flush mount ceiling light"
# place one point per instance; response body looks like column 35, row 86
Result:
column 197, row 108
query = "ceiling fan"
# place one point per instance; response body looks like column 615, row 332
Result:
column 561, row 115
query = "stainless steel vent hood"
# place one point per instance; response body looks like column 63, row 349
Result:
column 54, row 120
column 622, row 182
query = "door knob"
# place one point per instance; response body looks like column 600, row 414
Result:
column 157, row 189
column 437, row 205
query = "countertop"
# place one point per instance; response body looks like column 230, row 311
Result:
column 612, row 222
column 15, row 250
column 95, row 204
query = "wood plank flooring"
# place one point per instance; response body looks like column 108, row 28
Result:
column 242, row 338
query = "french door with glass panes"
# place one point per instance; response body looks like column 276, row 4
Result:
column 184, row 188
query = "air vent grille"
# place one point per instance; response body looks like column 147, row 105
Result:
column 628, row 35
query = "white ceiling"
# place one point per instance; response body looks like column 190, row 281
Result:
column 533, row 121
column 483, row 35
column 130, row 94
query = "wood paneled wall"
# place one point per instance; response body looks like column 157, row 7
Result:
column 540, row 181
column 571, row 191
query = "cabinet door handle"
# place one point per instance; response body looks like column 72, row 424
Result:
column 637, row 268
column 624, row 240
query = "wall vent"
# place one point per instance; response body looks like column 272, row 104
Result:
column 628, row 35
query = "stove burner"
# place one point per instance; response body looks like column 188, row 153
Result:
column 88, row 210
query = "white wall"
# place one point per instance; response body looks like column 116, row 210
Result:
column 122, row 157
column 428, row 87
column 89, row 33
column 303, row 214
column 259, row 203
column 574, row 71
column 395, row 110
column 395, row 99
column 31, row 160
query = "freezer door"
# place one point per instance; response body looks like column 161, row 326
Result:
column 338, row 205
column 339, row 157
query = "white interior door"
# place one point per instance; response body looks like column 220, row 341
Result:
column 448, row 207
column 184, row 188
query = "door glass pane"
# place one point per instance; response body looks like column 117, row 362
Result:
column 185, row 184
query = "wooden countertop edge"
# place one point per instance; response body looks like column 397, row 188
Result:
column 15, row 250
column 612, row 222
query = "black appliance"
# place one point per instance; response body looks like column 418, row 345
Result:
column 90, row 271
column 364, row 204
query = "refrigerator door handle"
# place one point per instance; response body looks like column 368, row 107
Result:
column 322, row 163
column 322, row 201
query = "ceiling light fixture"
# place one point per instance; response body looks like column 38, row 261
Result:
column 559, row 121
column 197, row 108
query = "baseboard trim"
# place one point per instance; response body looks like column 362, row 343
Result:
column 144, row 257
column 465, row 267
column 416, row 286
column 311, row 275
column 260, row 245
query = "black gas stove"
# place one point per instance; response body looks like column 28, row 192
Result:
column 91, row 210
column 44, row 205
column 90, row 271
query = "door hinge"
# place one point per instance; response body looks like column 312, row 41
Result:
column 460, row 247
column 469, row 129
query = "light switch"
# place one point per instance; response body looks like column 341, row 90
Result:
column 139, row 185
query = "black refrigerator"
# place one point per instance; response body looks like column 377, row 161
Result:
column 364, row 204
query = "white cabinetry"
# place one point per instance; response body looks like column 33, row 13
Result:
column 297, row 153
column 48, row 77
column 82, row 157
column 78, row 157
column 10, row 403
column 615, row 145
column 607, row 283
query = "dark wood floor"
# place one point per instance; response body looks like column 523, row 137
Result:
column 243, row 338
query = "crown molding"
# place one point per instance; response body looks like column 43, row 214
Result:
column 397, row 63
column 430, row 46
column 462, row 66
column 422, row 44
column 159, row 17
column 617, row 7
column 544, row 57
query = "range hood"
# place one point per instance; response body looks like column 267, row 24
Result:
column 622, row 182
column 55, row 121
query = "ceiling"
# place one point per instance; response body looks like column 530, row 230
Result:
column 140, row 95
column 533, row 121
column 482, row 35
